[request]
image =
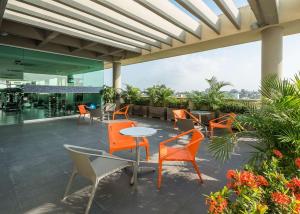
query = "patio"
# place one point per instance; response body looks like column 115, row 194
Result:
column 35, row 170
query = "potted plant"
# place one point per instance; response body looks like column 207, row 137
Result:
column 131, row 95
column 158, row 96
column 175, row 103
column 108, row 93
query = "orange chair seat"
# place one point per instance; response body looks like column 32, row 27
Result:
column 175, row 154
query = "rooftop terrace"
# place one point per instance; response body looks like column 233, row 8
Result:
column 35, row 170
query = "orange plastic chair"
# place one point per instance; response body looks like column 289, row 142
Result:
column 182, row 114
column 186, row 153
column 82, row 111
column 122, row 111
column 224, row 122
column 118, row 142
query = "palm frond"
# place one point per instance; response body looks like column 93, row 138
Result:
column 221, row 148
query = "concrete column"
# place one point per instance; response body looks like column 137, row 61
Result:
column 271, row 55
column 117, row 83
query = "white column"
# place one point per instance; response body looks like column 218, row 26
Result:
column 271, row 52
column 117, row 82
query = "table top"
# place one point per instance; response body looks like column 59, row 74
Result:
column 138, row 131
column 201, row 112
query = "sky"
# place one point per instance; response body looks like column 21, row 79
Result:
column 240, row 65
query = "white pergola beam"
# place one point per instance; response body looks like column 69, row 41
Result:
column 139, row 14
column 66, row 21
column 26, row 19
column 111, row 16
column 173, row 14
column 200, row 10
column 231, row 11
column 266, row 12
column 73, row 13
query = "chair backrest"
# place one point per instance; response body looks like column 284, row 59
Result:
column 82, row 109
column 194, row 143
column 81, row 161
column 179, row 114
column 230, row 119
column 109, row 107
column 124, row 109
column 185, row 124
column 114, row 134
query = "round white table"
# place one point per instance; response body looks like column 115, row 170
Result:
column 138, row 133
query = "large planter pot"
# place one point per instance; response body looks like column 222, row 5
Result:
column 140, row 110
column 157, row 112
column 170, row 115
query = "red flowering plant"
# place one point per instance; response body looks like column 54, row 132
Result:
column 261, row 191
column 270, row 183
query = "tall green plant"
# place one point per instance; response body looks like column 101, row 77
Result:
column 131, row 94
column 276, row 123
column 213, row 96
column 108, row 93
column 159, row 95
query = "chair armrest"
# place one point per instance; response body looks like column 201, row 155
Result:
column 176, row 137
column 95, row 153
column 192, row 116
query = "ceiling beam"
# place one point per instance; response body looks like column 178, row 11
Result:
column 48, row 38
column 34, row 11
column 200, row 10
column 2, row 9
column 231, row 11
column 26, row 19
column 84, row 46
column 108, row 15
column 266, row 12
column 65, row 10
column 171, row 13
column 53, row 48
column 114, row 5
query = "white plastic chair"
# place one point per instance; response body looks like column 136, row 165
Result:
column 94, row 170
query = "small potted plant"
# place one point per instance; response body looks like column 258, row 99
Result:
column 158, row 95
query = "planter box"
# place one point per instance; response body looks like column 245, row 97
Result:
column 157, row 112
column 170, row 115
column 140, row 110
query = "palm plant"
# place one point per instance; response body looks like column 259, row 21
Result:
column 159, row 94
column 131, row 94
column 276, row 123
column 213, row 95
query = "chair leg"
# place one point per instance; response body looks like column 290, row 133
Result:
column 198, row 171
column 126, row 116
column 113, row 117
column 147, row 152
column 69, row 184
column 91, row 197
column 159, row 178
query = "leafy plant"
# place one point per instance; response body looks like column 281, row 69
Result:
column 213, row 95
column 159, row 95
column 108, row 93
column 276, row 157
column 276, row 123
column 131, row 94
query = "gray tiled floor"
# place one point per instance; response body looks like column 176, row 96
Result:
column 35, row 169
